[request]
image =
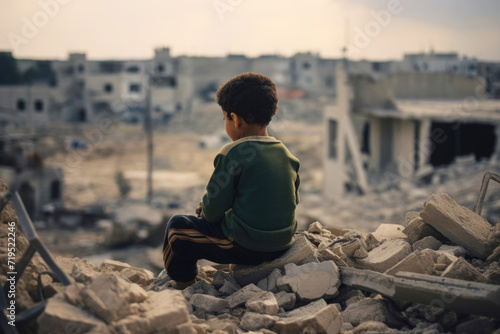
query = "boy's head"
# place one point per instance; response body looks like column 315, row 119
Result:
column 251, row 96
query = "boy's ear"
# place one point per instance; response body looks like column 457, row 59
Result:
column 237, row 119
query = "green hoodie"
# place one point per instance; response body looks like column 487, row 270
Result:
column 253, row 193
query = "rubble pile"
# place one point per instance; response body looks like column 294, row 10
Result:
column 312, row 288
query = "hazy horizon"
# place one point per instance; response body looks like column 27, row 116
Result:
column 127, row 29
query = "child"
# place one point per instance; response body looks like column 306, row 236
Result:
column 247, row 215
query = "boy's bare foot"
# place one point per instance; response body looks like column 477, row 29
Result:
column 182, row 285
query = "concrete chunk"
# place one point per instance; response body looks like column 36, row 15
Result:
column 60, row 316
column 302, row 251
column 242, row 296
column 265, row 304
column 311, row 281
column 254, row 321
column 286, row 300
column 462, row 269
column 416, row 262
column 428, row 242
column 389, row 232
column 416, row 229
column 370, row 309
column 327, row 320
column 385, row 256
column 459, row 224
column 208, row 303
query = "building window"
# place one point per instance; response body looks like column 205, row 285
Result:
column 133, row 69
column 306, row 65
column 329, row 81
column 81, row 68
column 39, row 105
column 55, row 190
column 21, row 105
column 82, row 115
column 332, row 139
column 108, row 88
column 134, row 88
column 160, row 68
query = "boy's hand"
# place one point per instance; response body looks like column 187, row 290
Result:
column 198, row 210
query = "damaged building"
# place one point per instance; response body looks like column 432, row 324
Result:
column 403, row 125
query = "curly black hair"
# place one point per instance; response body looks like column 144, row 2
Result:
column 251, row 96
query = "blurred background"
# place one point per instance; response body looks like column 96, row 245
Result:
column 108, row 124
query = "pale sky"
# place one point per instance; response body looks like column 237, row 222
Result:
column 120, row 29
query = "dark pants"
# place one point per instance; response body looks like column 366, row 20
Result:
column 189, row 239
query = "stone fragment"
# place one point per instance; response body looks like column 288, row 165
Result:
column 112, row 265
column 416, row 262
column 200, row 287
column 352, row 246
column 301, row 251
column 286, row 300
column 265, row 304
column 462, row 269
column 208, row 303
column 411, row 216
column 327, row 255
column 269, row 283
column 315, row 227
column 61, row 317
column 371, row 242
column 389, row 232
column 305, row 310
column 167, row 312
column 242, row 296
column 311, row 281
column 254, row 321
column 223, row 323
column 477, row 325
column 417, row 229
column 495, row 255
column 459, row 224
column 326, row 320
column 370, row 309
column 457, row 251
column 385, row 256
column 492, row 274
column 428, row 242
column 140, row 276
column 80, row 269
column 229, row 288
column 110, row 296
column 372, row 327
column 220, row 277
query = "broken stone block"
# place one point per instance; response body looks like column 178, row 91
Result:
column 457, row 251
column 326, row 320
column 220, row 277
column 208, row 303
column 242, row 296
column 417, row 229
column 265, row 304
column 286, row 300
column 167, row 312
column 229, row 288
column 311, row 281
column 492, row 274
column 385, row 256
column 495, row 255
column 389, row 232
column 411, row 216
column 428, row 242
column 459, row 224
column 416, row 262
column 222, row 324
column 61, row 317
column 351, row 247
column 328, row 255
column 301, row 251
column 200, row 287
column 371, row 242
column 370, row 309
column 80, row 269
column 140, row 276
column 315, row 227
column 110, row 296
column 254, row 321
column 462, row 269
column 372, row 327
column 271, row 280
column 112, row 265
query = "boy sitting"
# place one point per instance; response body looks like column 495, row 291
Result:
column 247, row 215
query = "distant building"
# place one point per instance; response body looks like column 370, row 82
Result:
column 371, row 132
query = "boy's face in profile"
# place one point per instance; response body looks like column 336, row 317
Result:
column 230, row 126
